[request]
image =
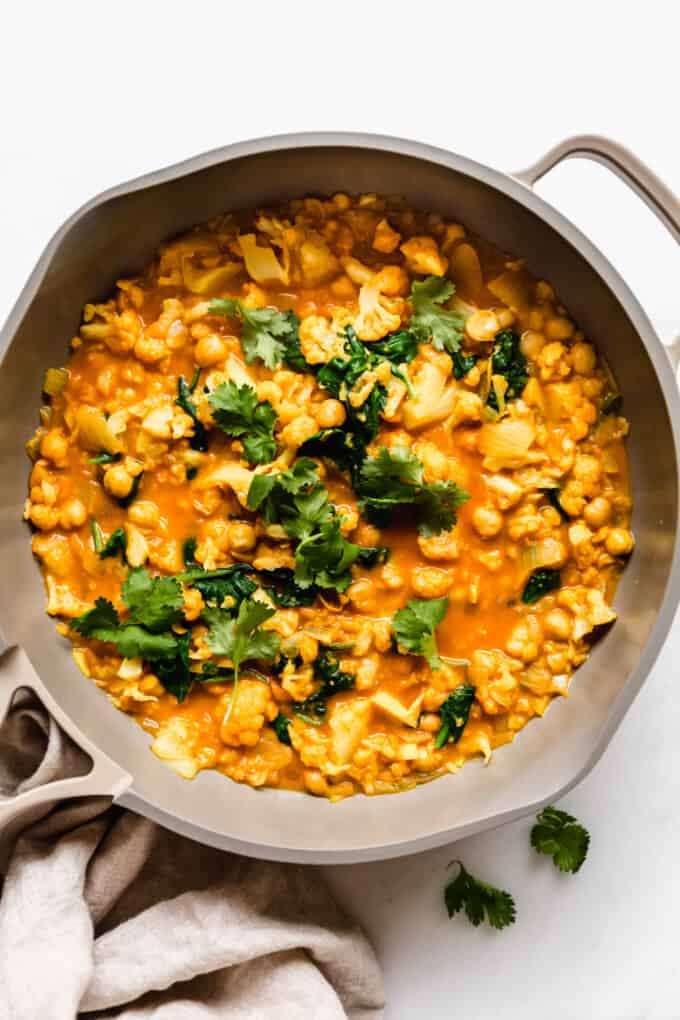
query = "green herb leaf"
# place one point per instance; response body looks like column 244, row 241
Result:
column 295, row 499
column 131, row 641
column 241, row 638
column 281, row 726
column 279, row 583
column 189, row 548
column 559, row 834
column 238, row 413
column 462, row 363
column 479, row 900
column 372, row 555
column 173, row 672
column 414, row 627
column 105, row 458
column 331, row 680
column 234, row 583
column 97, row 536
column 507, row 360
column 394, row 479
column 324, row 558
column 199, row 440
column 116, row 543
column 454, row 714
column 540, row 583
column 430, row 321
column 264, row 331
column 154, row 602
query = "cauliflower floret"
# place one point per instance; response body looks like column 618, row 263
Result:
column 317, row 262
column 320, row 340
column 554, row 361
column 491, row 675
column 385, row 239
column 423, row 256
column 378, row 315
column 589, row 608
column 253, row 706
column 434, row 400
column 439, row 547
column 175, row 744
column 230, row 475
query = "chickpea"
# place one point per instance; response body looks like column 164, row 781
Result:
column 144, row 513
column 532, row 343
column 431, row 582
column 391, row 576
column 598, row 512
column 150, row 349
column 210, row 350
column 482, row 325
column 315, row 782
column 193, row 603
column 73, row 514
column 559, row 328
column 487, row 521
column 536, row 319
column 557, row 624
column 367, row 534
column 583, row 358
column 543, row 291
column 241, row 537
column 619, row 542
column 54, row 446
column 268, row 390
column 43, row 517
column 329, row 414
column 430, row 722
column 117, row 481
column 362, row 594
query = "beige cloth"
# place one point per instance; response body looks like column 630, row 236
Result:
column 104, row 914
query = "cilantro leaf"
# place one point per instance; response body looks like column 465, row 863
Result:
column 241, row 638
column 540, row 583
column 324, row 558
column 454, row 714
column 414, row 626
column 132, row 641
column 479, row 900
column 432, row 322
column 295, row 499
column 508, row 361
column 173, row 672
column 116, row 543
column 238, row 413
column 559, row 834
column 394, row 479
column 331, row 680
column 199, row 440
column 279, row 583
column 281, row 726
column 154, row 602
column 264, row 331
column 339, row 445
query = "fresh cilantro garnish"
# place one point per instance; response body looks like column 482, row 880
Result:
column 199, row 440
column 430, row 321
column 507, row 360
column 553, row 497
column 295, row 499
column 479, row 900
column 462, row 363
column 264, row 331
column 324, row 558
column 414, row 626
column 116, row 543
column 233, row 583
column 341, row 446
column 173, row 672
column 454, row 714
column 105, row 458
column 395, row 479
column 281, row 726
column 154, row 602
column 540, row 583
column 559, row 834
column 241, row 638
column 132, row 641
column 331, row 679
column 238, row 413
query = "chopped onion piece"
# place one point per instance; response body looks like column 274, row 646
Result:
column 261, row 263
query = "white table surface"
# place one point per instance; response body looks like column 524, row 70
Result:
column 96, row 93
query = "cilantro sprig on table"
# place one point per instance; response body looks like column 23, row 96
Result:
column 430, row 320
column 237, row 411
column 267, row 335
column 479, row 900
column 394, row 479
column 559, row 834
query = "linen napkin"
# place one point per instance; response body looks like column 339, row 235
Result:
column 105, row 914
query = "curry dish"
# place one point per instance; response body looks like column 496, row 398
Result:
column 331, row 497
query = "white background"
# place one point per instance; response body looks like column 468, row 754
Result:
column 95, row 93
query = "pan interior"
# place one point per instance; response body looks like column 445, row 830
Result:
column 119, row 236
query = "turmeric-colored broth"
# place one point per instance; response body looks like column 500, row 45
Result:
column 544, row 468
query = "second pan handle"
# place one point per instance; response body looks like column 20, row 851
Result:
column 621, row 161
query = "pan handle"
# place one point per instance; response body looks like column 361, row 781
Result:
column 631, row 170
column 105, row 778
